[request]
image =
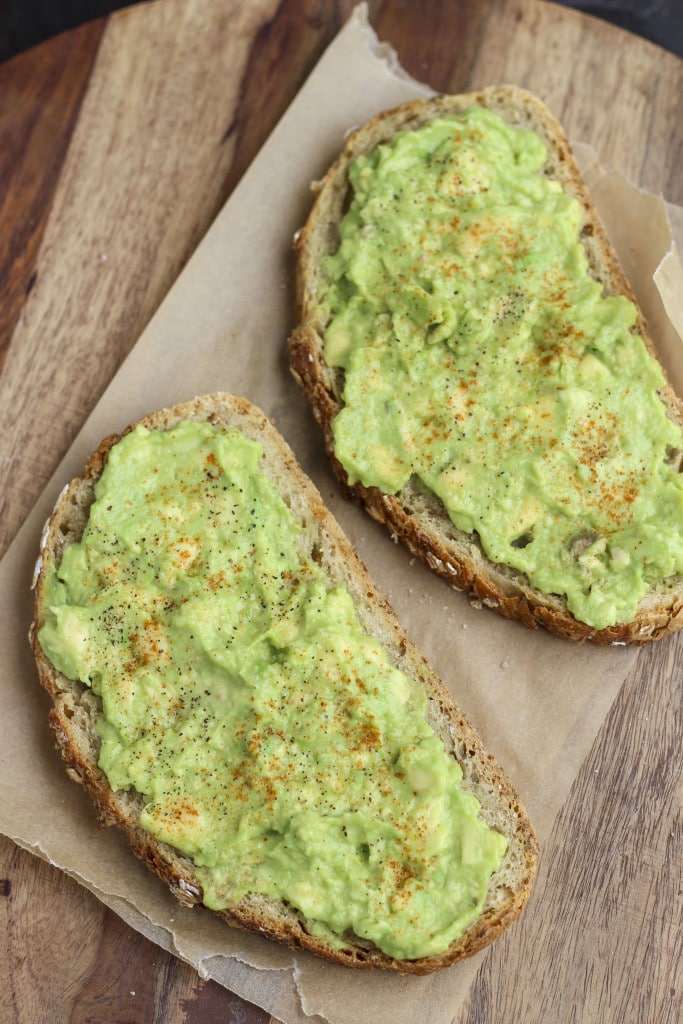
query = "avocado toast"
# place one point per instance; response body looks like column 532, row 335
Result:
column 233, row 692
column 482, row 374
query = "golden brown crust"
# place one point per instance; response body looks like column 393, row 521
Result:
column 75, row 708
column 420, row 523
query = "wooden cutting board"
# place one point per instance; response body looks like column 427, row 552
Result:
column 103, row 199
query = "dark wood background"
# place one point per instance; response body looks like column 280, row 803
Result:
column 23, row 23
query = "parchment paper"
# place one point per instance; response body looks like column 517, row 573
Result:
column 224, row 326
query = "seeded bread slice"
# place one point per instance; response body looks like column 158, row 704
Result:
column 417, row 518
column 75, row 709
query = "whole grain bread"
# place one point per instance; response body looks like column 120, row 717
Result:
column 415, row 517
column 75, row 708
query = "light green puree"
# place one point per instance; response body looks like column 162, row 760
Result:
column 272, row 740
column 482, row 361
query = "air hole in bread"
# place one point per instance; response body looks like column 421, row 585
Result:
column 346, row 202
column 673, row 457
column 582, row 541
column 317, row 554
column 523, row 540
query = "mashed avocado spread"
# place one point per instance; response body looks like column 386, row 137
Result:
column 483, row 362
column 272, row 740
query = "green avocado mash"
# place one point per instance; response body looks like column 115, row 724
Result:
column 483, row 362
column 272, row 740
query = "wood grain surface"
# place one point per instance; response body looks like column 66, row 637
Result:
column 126, row 136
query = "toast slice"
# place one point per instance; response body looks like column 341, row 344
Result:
column 412, row 512
column 76, row 709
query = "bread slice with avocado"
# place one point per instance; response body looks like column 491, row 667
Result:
column 483, row 377
column 233, row 692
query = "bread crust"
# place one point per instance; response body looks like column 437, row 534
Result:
column 421, row 522
column 74, row 709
